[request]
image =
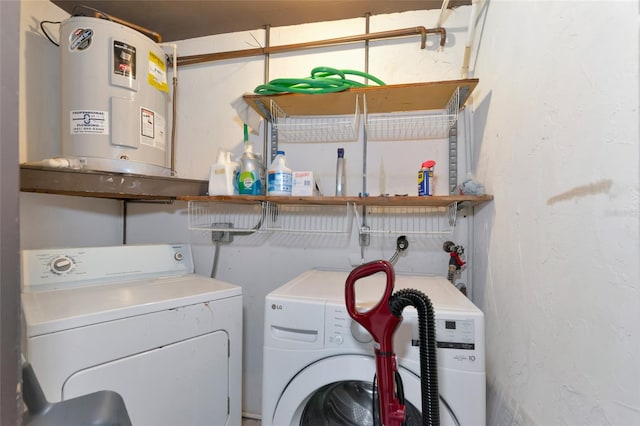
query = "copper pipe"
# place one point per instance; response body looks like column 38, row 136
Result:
column 441, row 31
column 143, row 30
column 234, row 54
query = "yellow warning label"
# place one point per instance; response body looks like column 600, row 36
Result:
column 157, row 73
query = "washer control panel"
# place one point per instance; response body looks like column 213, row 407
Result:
column 451, row 332
column 455, row 333
column 340, row 330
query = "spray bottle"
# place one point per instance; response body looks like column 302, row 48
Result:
column 425, row 178
column 251, row 177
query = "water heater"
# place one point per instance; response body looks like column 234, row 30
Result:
column 114, row 98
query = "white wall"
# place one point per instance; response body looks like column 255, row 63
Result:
column 39, row 69
column 207, row 122
column 49, row 220
column 555, row 121
column 556, row 137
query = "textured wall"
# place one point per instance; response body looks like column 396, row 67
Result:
column 556, row 132
column 207, row 122
column 555, row 139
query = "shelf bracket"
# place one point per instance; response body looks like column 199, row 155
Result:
column 453, row 157
column 453, row 212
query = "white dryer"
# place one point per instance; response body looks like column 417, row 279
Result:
column 135, row 320
column 318, row 363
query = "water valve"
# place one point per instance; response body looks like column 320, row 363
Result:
column 455, row 261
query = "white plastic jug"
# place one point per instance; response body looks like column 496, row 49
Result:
column 279, row 176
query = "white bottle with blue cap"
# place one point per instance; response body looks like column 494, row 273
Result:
column 279, row 179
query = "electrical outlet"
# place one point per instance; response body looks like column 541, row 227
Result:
column 365, row 237
column 219, row 235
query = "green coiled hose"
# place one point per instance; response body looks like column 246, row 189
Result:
column 322, row 80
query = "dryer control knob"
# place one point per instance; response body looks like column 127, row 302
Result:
column 338, row 340
column 360, row 333
column 61, row 265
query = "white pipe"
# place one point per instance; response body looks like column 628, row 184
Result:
column 470, row 31
column 445, row 4
column 174, row 47
column 174, row 105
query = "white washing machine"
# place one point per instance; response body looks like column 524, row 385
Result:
column 136, row 320
column 319, row 364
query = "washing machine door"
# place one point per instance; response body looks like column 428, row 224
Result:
column 338, row 390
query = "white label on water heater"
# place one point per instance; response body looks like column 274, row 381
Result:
column 152, row 129
column 89, row 122
column 161, row 133
column 147, row 125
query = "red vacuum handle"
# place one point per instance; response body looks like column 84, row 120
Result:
column 382, row 324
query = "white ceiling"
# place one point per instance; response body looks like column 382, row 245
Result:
column 183, row 19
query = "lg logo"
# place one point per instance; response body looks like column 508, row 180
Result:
column 471, row 358
column 276, row 307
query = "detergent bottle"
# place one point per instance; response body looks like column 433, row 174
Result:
column 279, row 176
column 251, row 174
column 249, row 182
column 221, row 177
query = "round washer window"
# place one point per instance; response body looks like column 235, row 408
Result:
column 348, row 403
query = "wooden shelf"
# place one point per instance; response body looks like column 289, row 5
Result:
column 127, row 186
column 100, row 184
column 396, row 201
column 379, row 99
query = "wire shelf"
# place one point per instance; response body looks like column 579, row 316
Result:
column 318, row 226
column 316, row 128
column 308, row 219
column 414, row 125
column 310, row 225
column 432, row 221
column 223, row 216
column 309, row 240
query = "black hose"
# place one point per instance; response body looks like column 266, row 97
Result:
column 46, row 34
column 428, row 357
column 375, row 402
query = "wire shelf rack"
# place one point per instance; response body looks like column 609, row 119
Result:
column 414, row 125
column 309, row 219
column 316, row 128
column 223, row 216
column 322, row 225
column 289, row 225
column 432, row 221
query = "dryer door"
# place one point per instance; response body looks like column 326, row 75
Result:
column 337, row 391
column 184, row 383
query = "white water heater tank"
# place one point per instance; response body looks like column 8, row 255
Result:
column 115, row 98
